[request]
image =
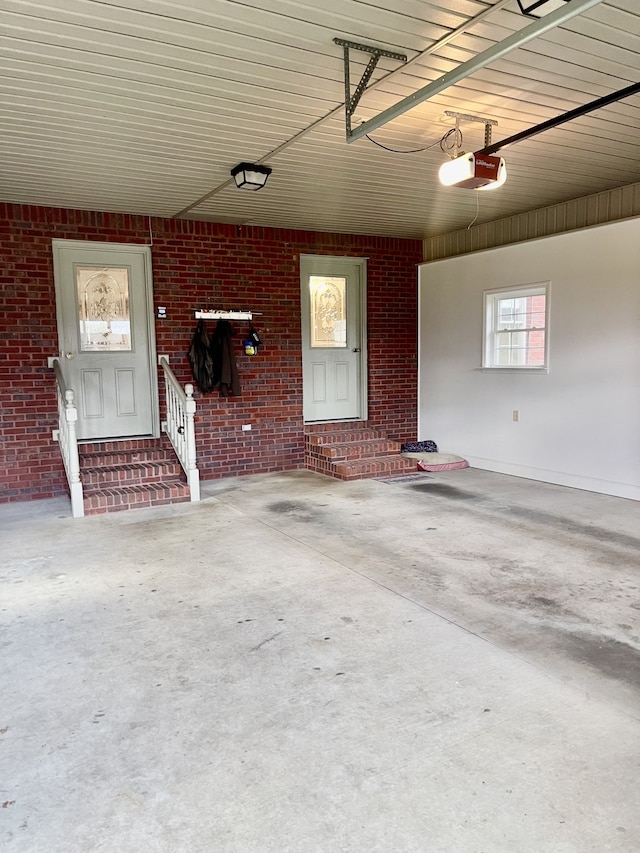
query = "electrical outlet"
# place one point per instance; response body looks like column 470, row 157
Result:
column 516, row 415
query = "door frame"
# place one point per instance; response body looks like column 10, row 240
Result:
column 363, row 372
column 105, row 247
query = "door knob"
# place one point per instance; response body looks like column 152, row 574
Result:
column 68, row 355
column 356, row 349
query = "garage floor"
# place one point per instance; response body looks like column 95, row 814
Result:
column 449, row 663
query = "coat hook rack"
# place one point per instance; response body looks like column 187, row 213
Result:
column 227, row 315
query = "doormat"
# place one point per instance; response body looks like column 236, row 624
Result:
column 403, row 478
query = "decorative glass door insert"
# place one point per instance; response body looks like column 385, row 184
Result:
column 328, row 311
column 103, row 309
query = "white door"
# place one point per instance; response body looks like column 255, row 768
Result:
column 106, row 337
column 333, row 338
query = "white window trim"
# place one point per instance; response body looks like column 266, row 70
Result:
column 489, row 298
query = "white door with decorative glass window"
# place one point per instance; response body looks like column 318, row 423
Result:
column 333, row 292
column 106, row 337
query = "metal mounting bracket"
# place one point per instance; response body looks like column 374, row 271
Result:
column 487, row 122
column 352, row 101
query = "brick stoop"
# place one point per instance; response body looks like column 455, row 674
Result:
column 119, row 475
column 353, row 452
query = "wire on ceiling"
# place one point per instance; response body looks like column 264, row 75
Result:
column 396, row 150
column 451, row 141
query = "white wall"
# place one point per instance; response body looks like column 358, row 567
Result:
column 580, row 423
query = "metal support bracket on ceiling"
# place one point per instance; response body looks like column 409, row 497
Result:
column 352, row 101
column 497, row 51
column 487, row 122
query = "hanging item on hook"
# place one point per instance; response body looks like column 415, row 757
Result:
column 200, row 357
column 252, row 342
column 225, row 369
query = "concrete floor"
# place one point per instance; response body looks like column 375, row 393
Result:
column 451, row 663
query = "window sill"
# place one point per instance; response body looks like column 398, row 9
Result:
column 512, row 370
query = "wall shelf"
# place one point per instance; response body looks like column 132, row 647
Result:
column 225, row 315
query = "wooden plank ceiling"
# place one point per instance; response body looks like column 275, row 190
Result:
column 143, row 106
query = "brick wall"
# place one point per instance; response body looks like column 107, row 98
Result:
column 197, row 264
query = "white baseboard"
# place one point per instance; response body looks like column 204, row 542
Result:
column 558, row 478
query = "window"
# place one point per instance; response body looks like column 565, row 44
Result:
column 103, row 309
column 515, row 332
column 328, row 311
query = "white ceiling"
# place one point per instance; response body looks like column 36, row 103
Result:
column 143, row 106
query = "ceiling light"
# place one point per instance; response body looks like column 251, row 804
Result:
column 249, row 176
column 474, row 172
column 541, row 7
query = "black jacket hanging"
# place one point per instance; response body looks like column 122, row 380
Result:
column 201, row 359
column 225, row 370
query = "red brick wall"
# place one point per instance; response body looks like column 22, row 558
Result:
column 197, row 264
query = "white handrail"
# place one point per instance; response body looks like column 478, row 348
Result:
column 68, row 440
column 181, row 409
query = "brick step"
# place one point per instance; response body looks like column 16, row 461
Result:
column 359, row 469
column 135, row 497
column 357, row 449
column 86, row 447
column 130, row 474
column 353, row 452
column 344, row 436
column 109, row 458
column 335, row 426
